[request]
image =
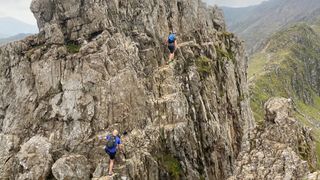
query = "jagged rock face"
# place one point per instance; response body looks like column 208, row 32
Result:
column 194, row 117
column 282, row 149
column 69, row 20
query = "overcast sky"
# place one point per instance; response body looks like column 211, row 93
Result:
column 235, row 3
column 19, row 9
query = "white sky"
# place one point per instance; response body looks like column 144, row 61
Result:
column 19, row 9
column 235, row 3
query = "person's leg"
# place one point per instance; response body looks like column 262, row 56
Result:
column 111, row 166
column 171, row 56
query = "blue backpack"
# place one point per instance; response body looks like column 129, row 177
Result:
column 111, row 142
column 171, row 38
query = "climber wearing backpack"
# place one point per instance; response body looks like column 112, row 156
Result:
column 113, row 144
column 172, row 45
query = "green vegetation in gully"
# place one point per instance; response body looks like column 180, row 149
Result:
column 171, row 165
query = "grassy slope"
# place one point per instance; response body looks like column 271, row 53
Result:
column 280, row 70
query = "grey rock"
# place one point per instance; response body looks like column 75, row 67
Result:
column 57, row 86
column 9, row 145
column 277, row 148
column 313, row 176
column 71, row 167
column 35, row 158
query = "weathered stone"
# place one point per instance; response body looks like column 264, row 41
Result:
column 282, row 149
column 313, row 176
column 9, row 145
column 35, row 158
column 98, row 66
column 71, row 167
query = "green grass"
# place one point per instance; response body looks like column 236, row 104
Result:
column 278, row 83
column 72, row 47
column 171, row 165
column 166, row 160
column 266, row 86
column 227, row 54
column 313, row 111
column 204, row 66
column 257, row 64
column 259, row 61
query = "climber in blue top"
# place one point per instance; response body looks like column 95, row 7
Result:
column 172, row 45
column 113, row 144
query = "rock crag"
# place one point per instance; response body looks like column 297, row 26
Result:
column 281, row 149
column 97, row 65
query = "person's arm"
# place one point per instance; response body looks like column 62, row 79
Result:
column 175, row 44
column 119, row 145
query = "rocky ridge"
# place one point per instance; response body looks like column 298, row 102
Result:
column 290, row 61
column 289, row 67
column 281, row 149
column 97, row 65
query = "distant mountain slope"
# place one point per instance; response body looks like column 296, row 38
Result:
column 289, row 66
column 13, row 38
column 254, row 24
column 11, row 27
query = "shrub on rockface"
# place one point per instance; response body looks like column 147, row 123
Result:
column 73, row 47
column 204, row 66
column 170, row 165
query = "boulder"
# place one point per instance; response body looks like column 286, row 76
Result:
column 35, row 158
column 71, row 167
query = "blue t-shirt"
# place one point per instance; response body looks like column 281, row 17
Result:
column 113, row 149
